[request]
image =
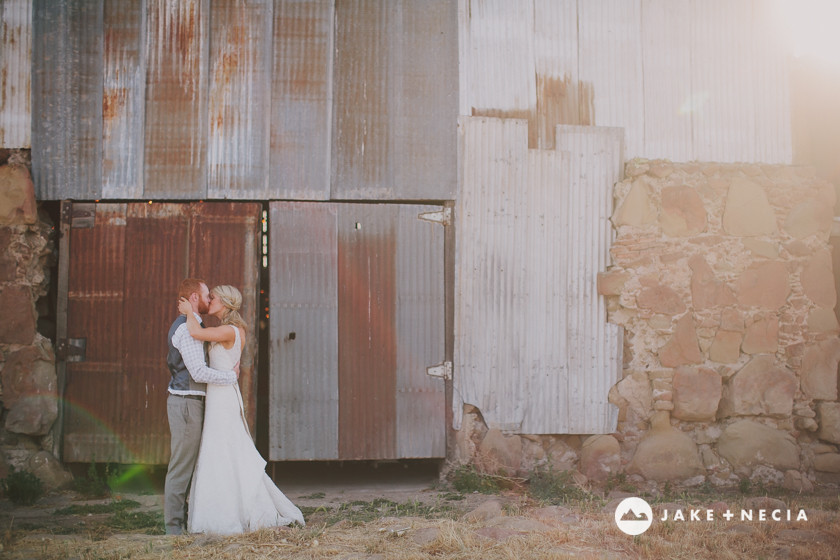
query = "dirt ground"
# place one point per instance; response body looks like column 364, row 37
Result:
column 410, row 514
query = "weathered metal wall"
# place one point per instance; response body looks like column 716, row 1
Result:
column 533, row 350
column 122, row 288
column 257, row 99
column 686, row 79
column 357, row 315
column 15, row 67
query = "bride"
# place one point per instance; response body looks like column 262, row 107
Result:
column 231, row 492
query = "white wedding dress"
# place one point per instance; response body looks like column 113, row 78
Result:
column 231, row 492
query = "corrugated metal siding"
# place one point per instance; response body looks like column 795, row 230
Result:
column 123, row 280
column 687, row 80
column 357, row 315
column 303, row 405
column 533, row 350
column 419, row 327
column 240, row 99
column 123, row 99
column 395, row 100
column 15, row 70
column 302, row 93
column 367, row 339
column 177, row 65
column 67, row 99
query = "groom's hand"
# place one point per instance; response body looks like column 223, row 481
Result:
column 236, row 369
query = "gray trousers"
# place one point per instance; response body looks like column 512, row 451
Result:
column 186, row 418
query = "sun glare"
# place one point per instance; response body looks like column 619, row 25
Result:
column 811, row 26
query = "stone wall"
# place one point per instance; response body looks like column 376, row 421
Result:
column 722, row 280
column 27, row 361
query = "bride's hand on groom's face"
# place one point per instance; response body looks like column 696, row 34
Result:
column 184, row 306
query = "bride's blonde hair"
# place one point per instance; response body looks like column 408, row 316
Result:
column 231, row 299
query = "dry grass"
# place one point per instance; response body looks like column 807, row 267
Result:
column 441, row 533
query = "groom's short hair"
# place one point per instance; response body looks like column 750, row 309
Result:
column 190, row 286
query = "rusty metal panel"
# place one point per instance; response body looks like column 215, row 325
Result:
column 67, row 99
column 395, row 100
column 240, row 58
column 666, row 25
column 123, row 281
column 15, row 70
column 155, row 258
column 533, row 350
column 303, row 265
column 419, row 327
column 96, row 296
column 301, row 104
column 123, row 98
column 224, row 249
column 367, row 340
column 175, row 143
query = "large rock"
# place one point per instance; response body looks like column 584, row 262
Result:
column 683, row 213
column 817, row 280
column 600, row 457
column 697, row 392
column 762, row 336
column 666, row 453
column 51, row 472
column 636, row 209
column 660, row 299
column 17, row 196
column 823, row 320
column 762, row 387
column 706, row 290
column 27, row 372
column 726, row 347
column 808, row 218
column 500, row 453
column 18, row 324
column 828, row 416
column 764, row 285
column 635, row 391
column 747, row 443
column 683, row 348
column 748, row 212
column 827, row 462
column 32, row 415
column 818, row 372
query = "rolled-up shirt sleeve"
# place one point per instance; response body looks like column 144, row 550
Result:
column 192, row 351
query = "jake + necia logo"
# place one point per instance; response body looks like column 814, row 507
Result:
column 633, row 516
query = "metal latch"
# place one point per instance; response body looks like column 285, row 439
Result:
column 71, row 349
column 444, row 371
column 78, row 214
column 442, row 216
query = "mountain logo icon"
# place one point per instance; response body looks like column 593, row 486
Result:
column 633, row 516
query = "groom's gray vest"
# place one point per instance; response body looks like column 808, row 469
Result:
column 181, row 381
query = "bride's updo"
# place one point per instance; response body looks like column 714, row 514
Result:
column 231, row 299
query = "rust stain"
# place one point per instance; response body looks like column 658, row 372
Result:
column 113, row 103
column 559, row 101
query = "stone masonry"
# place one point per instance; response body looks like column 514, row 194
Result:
column 28, row 387
column 722, row 279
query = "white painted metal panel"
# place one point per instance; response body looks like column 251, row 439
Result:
column 533, row 350
column 15, row 67
column 666, row 60
column 419, row 323
column 594, row 346
column 610, row 48
column 303, row 401
column 722, row 77
column 499, row 66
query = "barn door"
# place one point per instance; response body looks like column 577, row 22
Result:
column 124, row 266
column 357, row 318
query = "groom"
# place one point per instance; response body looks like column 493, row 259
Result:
column 185, row 403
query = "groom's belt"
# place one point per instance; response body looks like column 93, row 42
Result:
column 196, row 397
